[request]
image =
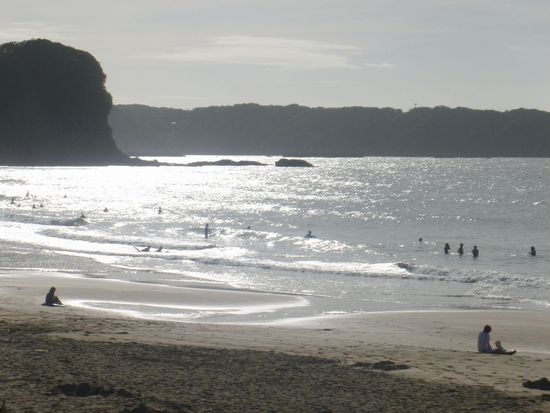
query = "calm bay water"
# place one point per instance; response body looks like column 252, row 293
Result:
column 367, row 214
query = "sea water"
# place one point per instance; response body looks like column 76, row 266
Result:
column 367, row 216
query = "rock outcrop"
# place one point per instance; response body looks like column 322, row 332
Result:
column 293, row 162
column 54, row 107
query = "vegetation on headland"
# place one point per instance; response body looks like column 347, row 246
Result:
column 293, row 130
column 54, row 107
column 55, row 110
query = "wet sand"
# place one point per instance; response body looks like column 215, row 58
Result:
column 76, row 359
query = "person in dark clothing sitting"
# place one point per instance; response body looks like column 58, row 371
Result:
column 52, row 299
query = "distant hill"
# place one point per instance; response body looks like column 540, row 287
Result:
column 54, row 107
column 351, row 131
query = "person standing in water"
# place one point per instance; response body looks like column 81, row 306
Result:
column 461, row 249
column 447, row 248
column 475, row 252
column 206, row 231
column 533, row 252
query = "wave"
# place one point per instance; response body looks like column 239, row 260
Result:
column 383, row 270
column 102, row 239
column 70, row 222
column 235, row 257
column 44, row 220
column 426, row 272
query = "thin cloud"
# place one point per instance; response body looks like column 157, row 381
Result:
column 381, row 65
column 19, row 31
column 274, row 52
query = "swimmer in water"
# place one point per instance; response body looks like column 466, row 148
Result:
column 475, row 252
column 447, row 248
column 533, row 252
column 461, row 249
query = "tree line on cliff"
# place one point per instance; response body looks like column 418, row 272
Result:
column 350, row 131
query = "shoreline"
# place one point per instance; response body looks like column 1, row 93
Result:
column 436, row 347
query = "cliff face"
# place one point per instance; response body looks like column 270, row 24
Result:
column 353, row 131
column 54, row 107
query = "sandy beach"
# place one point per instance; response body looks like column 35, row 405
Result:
column 77, row 358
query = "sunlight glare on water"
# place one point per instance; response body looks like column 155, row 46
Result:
column 367, row 214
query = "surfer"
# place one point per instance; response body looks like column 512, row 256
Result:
column 475, row 252
column 159, row 249
column 206, row 231
column 460, row 249
column 309, row 235
column 105, row 209
column 160, row 210
column 12, row 200
column 447, row 248
column 82, row 216
column 52, row 299
column 533, row 252
column 146, row 249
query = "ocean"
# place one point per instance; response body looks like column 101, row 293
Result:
column 367, row 216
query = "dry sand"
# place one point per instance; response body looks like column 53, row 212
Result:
column 71, row 359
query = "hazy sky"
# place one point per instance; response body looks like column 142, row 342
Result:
column 489, row 54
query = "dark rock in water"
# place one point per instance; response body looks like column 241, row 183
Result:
column 540, row 384
column 225, row 162
column 293, row 162
column 54, row 107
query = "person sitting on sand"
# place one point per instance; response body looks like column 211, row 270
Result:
column 52, row 299
column 501, row 350
column 484, row 343
column 484, row 340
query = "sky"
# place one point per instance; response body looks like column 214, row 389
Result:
column 482, row 54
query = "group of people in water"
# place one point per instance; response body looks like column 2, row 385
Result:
column 475, row 250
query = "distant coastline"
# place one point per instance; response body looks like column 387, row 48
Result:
column 299, row 131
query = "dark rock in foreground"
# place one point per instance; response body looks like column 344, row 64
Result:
column 540, row 384
column 225, row 162
column 54, row 107
column 293, row 162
